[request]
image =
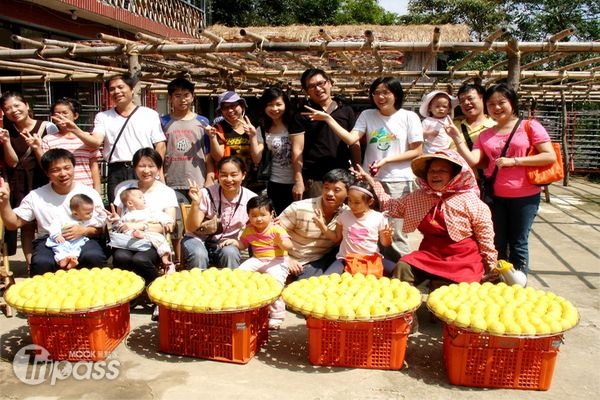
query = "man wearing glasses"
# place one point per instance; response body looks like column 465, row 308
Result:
column 323, row 149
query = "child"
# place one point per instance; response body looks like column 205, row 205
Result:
column 64, row 113
column 66, row 252
column 136, row 213
column 270, row 244
column 359, row 229
column 437, row 108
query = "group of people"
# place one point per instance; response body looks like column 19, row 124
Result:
column 339, row 185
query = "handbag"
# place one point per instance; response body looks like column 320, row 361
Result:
column 544, row 174
column 364, row 263
column 211, row 226
column 487, row 189
column 263, row 172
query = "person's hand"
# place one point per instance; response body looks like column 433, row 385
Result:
column 295, row 267
column 453, row 132
column 64, row 123
column 227, row 242
column 298, row 190
column 4, row 136
column 73, row 232
column 59, row 239
column 249, row 129
column 430, row 133
column 112, row 216
column 210, row 131
column 33, row 140
column 4, row 191
column 362, row 175
column 386, row 234
column 315, row 115
column 319, row 220
column 505, row 162
column 194, row 191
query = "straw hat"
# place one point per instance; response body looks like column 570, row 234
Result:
column 230, row 97
column 424, row 108
column 419, row 164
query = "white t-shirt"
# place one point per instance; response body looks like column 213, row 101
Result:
column 438, row 141
column 360, row 235
column 280, row 146
column 45, row 205
column 159, row 198
column 389, row 135
column 143, row 130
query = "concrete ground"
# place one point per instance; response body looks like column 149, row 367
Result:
column 564, row 250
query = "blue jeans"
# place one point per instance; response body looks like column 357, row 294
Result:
column 513, row 218
column 318, row 267
column 197, row 255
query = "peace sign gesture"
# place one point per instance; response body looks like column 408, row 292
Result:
column 194, row 191
column 33, row 140
column 249, row 129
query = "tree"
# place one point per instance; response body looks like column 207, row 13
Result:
column 364, row 12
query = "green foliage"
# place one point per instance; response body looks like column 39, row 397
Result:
column 364, row 12
column 317, row 12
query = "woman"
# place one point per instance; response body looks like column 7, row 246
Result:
column 285, row 140
column 516, row 201
column 147, row 163
column 26, row 174
column 458, row 240
column 227, row 199
column 394, row 137
column 235, row 135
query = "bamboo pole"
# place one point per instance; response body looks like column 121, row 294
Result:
column 563, row 139
column 488, row 41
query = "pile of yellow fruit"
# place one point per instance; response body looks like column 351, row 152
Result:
column 75, row 290
column 351, row 297
column 214, row 290
column 503, row 310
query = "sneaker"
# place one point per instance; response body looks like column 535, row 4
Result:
column 275, row 323
column 155, row 314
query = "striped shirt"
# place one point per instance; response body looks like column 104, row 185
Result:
column 309, row 243
column 83, row 154
column 263, row 243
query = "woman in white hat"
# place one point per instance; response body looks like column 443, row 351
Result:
column 458, row 238
column 438, row 110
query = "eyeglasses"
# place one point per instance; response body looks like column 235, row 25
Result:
column 315, row 85
column 384, row 93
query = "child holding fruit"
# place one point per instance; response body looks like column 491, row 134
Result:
column 270, row 244
column 359, row 229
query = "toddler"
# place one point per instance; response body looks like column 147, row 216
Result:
column 358, row 229
column 135, row 212
column 270, row 244
column 437, row 108
column 66, row 252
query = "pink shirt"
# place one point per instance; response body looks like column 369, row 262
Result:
column 360, row 235
column 511, row 181
column 83, row 154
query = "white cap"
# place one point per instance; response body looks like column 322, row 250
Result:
column 424, row 108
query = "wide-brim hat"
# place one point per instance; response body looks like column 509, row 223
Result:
column 424, row 108
column 419, row 164
column 230, row 97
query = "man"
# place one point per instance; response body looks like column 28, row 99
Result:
column 313, row 252
column 474, row 120
column 124, row 129
column 49, row 202
column 323, row 149
column 186, row 156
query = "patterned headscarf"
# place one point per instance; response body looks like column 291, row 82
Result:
column 464, row 181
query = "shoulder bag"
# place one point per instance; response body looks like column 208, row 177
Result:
column 264, row 168
column 544, row 174
column 114, row 146
column 211, row 226
column 487, row 185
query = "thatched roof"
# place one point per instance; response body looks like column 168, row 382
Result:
column 253, row 58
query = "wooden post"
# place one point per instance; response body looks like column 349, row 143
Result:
column 563, row 139
column 514, row 64
column 134, row 70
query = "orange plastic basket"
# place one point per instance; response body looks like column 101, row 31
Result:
column 232, row 337
column 484, row 360
column 90, row 336
column 358, row 344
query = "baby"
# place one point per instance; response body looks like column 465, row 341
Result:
column 66, row 252
column 136, row 212
column 437, row 108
